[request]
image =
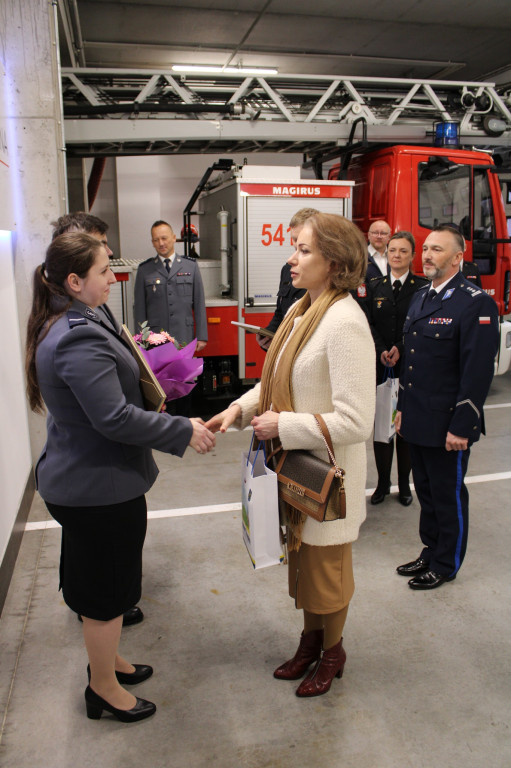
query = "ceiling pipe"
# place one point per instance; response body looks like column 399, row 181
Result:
column 77, row 31
column 134, row 108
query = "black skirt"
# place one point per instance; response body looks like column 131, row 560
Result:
column 101, row 556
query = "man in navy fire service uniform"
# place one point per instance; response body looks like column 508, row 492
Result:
column 377, row 264
column 450, row 342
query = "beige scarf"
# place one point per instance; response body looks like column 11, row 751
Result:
column 276, row 384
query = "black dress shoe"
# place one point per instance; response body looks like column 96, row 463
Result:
column 142, row 672
column 379, row 495
column 411, row 569
column 95, row 706
column 132, row 616
column 429, row 580
column 405, row 499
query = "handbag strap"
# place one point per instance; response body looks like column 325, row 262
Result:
column 325, row 434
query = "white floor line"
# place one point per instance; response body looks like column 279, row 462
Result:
column 211, row 509
column 498, row 405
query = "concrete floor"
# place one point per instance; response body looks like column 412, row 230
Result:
column 428, row 675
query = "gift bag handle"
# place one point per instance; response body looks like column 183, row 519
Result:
column 388, row 373
column 261, row 443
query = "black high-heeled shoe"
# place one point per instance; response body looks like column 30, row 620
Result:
column 95, row 706
column 142, row 672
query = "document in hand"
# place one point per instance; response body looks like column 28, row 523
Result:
column 254, row 329
column 152, row 392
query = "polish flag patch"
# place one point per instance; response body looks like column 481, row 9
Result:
column 484, row 321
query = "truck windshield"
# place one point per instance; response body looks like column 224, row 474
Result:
column 444, row 196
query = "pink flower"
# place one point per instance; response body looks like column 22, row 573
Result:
column 159, row 338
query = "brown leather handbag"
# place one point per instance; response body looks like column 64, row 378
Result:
column 311, row 485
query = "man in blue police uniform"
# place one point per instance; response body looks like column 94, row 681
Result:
column 450, row 341
column 169, row 291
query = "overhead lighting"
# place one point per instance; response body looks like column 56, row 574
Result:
column 228, row 70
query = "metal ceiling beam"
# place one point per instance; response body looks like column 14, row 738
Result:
column 99, row 131
column 281, row 108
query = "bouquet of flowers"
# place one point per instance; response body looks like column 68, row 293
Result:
column 172, row 363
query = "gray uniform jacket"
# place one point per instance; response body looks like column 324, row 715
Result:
column 98, row 448
column 168, row 300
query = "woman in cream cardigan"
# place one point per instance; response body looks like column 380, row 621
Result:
column 321, row 361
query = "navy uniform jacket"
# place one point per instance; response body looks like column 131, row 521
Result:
column 168, row 300
column 286, row 296
column 387, row 315
column 450, row 345
column 373, row 271
column 98, row 448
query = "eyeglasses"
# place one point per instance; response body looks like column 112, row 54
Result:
column 379, row 234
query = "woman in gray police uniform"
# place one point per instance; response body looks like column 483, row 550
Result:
column 97, row 463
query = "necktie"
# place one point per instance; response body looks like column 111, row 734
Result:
column 396, row 287
column 429, row 296
column 167, row 264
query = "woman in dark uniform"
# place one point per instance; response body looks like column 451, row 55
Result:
column 387, row 304
column 97, row 463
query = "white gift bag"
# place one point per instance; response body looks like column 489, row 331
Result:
column 260, row 511
column 386, row 407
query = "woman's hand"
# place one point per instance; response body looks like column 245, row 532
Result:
column 266, row 426
column 202, row 439
column 223, row 420
column 391, row 357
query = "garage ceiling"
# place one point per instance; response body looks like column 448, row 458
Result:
column 461, row 40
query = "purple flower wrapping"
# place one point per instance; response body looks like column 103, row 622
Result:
column 174, row 368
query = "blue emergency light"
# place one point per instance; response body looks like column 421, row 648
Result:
column 446, row 134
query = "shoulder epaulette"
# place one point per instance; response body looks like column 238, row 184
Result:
column 190, row 258
column 473, row 290
column 75, row 318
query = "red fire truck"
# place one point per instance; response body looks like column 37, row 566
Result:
column 415, row 188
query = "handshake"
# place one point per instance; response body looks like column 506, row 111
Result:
column 203, row 437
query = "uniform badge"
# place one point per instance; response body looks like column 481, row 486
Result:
column 484, row 321
column 440, row 320
column 362, row 291
column 379, row 303
column 183, row 274
column 448, row 293
column 88, row 311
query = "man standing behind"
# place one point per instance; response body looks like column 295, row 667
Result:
column 377, row 265
column 169, row 291
column 379, row 234
column 451, row 338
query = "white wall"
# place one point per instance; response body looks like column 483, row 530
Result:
column 30, row 111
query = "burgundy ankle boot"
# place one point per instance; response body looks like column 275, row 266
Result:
column 308, row 652
column 329, row 665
